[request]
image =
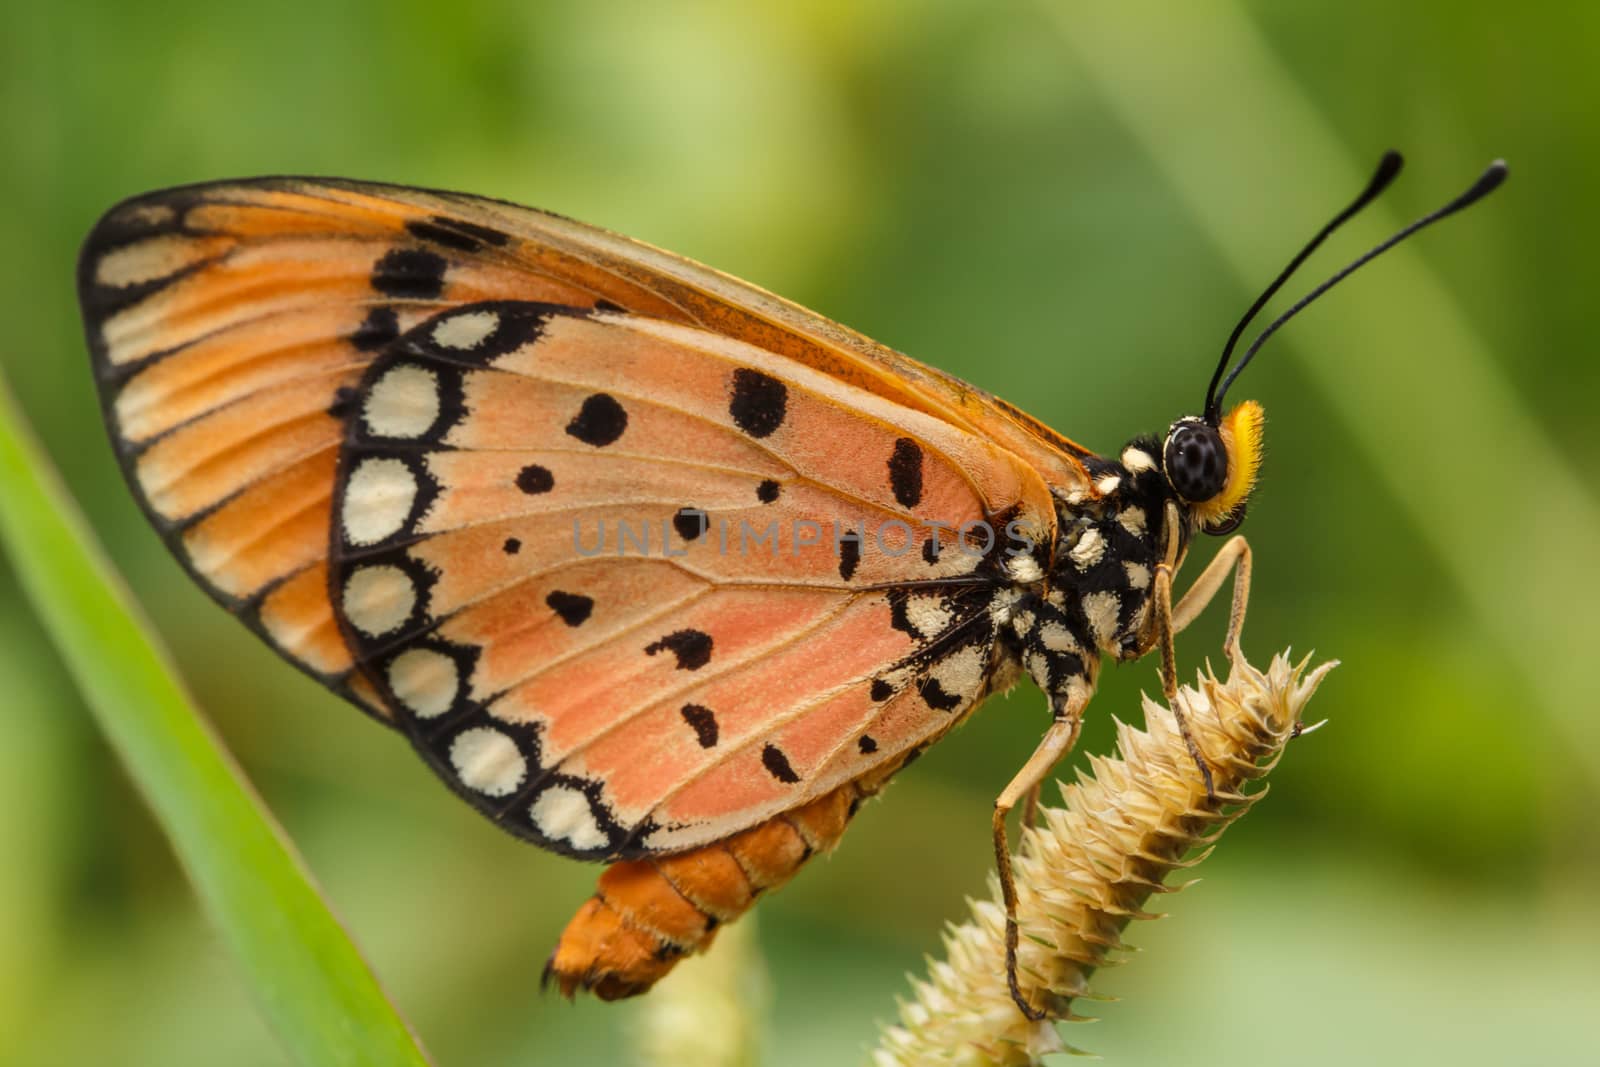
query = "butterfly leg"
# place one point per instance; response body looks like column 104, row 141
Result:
column 1234, row 558
column 1057, row 742
column 1030, row 806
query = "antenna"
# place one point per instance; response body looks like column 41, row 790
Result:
column 1487, row 183
column 1388, row 168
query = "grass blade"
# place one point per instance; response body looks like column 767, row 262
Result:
column 305, row 973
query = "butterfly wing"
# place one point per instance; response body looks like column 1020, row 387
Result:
column 366, row 417
column 590, row 559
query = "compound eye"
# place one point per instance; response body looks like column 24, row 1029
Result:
column 1196, row 461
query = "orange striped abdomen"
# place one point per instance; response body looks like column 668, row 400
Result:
column 648, row 914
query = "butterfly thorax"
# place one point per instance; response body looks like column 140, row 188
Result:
column 1095, row 595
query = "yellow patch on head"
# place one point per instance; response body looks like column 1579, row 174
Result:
column 1241, row 436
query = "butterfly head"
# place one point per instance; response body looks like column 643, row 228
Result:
column 1210, row 461
column 1211, row 469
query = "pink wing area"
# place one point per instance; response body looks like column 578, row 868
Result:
column 789, row 609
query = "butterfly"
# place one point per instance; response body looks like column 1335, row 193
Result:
column 650, row 566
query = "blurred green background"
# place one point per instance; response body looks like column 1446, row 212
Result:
column 1067, row 204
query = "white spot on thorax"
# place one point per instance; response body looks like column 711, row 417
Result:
column 1132, row 520
column 1137, row 460
column 1108, row 484
column 425, row 680
column 487, row 760
column 1024, row 569
column 378, row 598
column 465, row 331
column 563, row 814
column 1101, row 610
column 377, row 499
column 1002, row 604
column 1089, row 549
column 1138, row 575
column 928, row 615
column 402, row 403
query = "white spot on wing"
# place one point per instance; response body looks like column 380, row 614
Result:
column 377, row 499
column 928, row 615
column 148, row 260
column 378, row 598
column 1101, row 610
column 961, row 673
column 425, row 680
column 563, row 814
column 402, row 403
column 465, row 331
column 487, row 760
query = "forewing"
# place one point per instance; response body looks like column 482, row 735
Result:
column 229, row 323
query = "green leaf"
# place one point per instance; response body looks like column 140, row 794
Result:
column 306, row 974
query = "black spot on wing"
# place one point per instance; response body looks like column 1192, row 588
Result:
column 456, row 233
column 867, row 744
column 691, row 647
column 936, row 695
column 899, row 616
column 512, row 546
column 600, row 421
column 703, row 721
column 767, row 492
column 759, row 402
column 380, row 327
column 849, row 553
column 881, row 690
column 534, row 479
column 410, row 274
column 691, row 523
column 574, row 608
column 777, row 765
column 905, row 472
column 344, row 402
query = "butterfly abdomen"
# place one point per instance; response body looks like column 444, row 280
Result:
column 648, row 914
